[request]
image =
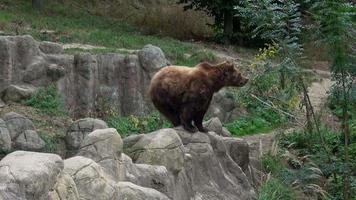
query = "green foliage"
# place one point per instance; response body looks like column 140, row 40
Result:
column 48, row 101
column 259, row 121
column 276, row 190
column 272, row 163
column 135, row 125
column 321, row 164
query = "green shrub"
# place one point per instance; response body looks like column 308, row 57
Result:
column 48, row 101
column 274, row 189
column 134, row 125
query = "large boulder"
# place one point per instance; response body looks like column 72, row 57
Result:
column 30, row 141
column 5, row 139
column 28, row 175
column 22, row 132
column 152, row 58
column 90, row 179
column 77, row 132
column 162, row 147
column 17, row 93
column 17, row 124
column 104, row 146
column 127, row 190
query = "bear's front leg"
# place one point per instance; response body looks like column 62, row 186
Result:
column 186, row 119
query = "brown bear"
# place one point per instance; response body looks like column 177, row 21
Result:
column 183, row 94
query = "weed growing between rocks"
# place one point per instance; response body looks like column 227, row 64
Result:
column 48, row 101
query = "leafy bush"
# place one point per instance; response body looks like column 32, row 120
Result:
column 134, row 125
column 48, row 101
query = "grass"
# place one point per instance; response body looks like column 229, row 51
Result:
column 260, row 120
column 276, row 190
column 75, row 25
column 126, row 126
column 47, row 100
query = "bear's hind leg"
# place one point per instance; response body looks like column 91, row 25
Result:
column 186, row 119
column 169, row 113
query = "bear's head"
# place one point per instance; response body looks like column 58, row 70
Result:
column 232, row 76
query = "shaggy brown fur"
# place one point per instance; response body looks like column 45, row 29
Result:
column 183, row 94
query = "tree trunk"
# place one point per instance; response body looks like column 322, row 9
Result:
column 37, row 5
column 228, row 26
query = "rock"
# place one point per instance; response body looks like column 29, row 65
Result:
column 5, row 139
column 65, row 188
column 29, row 141
column 214, row 124
column 78, row 130
column 17, row 93
column 127, row 190
column 51, row 48
column 90, row 179
column 224, row 107
column 152, row 58
column 162, row 147
column 17, row 124
column 55, row 72
column 238, row 149
column 2, row 103
column 149, row 176
column 225, row 132
column 104, row 146
column 28, row 175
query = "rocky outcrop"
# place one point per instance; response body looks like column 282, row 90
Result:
column 168, row 164
column 88, row 83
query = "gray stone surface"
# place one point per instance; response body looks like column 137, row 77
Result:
column 2, row 103
column 29, row 141
column 104, row 146
column 162, row 147
column 22, row 132
column 127, row 190
column 152, row 58
column 224, row 107
column 28, row 175
column 5, row 139
column 17, row 93
column 17, row 124
column 77, row 132
column 90, row 179
column 51, row 48
column 65, row 188
column 208, row 170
